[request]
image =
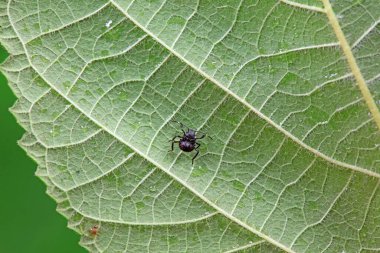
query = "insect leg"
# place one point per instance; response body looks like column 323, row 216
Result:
column 177, row 136
column 173, row 144
column 174, row 141
column 196, row 154
column 203, row 135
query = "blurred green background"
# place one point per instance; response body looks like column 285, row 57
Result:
column 28, row 219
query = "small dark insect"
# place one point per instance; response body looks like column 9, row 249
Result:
column 94, row 230
column 188, row 141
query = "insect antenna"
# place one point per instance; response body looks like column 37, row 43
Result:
column 204, row 134
column 180, row 123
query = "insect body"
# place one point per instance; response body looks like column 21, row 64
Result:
column 94, row 230
column 188, row 142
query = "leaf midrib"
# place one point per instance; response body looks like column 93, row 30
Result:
column 352, row 62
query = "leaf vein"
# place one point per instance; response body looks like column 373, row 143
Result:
column 245, row 103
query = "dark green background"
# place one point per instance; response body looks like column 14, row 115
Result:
column 28, row 219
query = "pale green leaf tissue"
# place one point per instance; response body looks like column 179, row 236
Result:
column 294, row 160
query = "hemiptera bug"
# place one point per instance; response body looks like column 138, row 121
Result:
column 188, row 141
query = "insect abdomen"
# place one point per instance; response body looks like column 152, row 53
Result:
column 186, row 146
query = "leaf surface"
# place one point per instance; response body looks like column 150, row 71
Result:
column 293, row 164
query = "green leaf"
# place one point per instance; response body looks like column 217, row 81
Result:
column 288, row 91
